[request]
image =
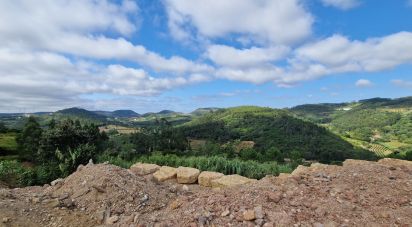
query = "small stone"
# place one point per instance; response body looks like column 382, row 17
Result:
column 112, row 220
column 5, row 220
column 317, row 224
column 52, row 203
column 249, row 215
column 259, row 222
column 175, row 204
column 274, row 197
column 56, row 182
column 268, row 224
column 225, row 213
column 35, row 200
column 259, row 212
column 185, row 188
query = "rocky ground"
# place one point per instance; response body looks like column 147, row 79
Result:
column 359, row 193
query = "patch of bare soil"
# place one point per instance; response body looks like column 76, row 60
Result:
column 359, row 193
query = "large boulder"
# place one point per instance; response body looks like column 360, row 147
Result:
column 230, row 181
column 187, row 175
column 205, row 178
column 143, row 169
column 165, row 173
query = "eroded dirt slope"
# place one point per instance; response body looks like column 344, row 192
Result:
column 359, row 193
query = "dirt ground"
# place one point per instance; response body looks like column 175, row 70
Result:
column 359, row 193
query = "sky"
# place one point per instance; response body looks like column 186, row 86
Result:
column 185, row 54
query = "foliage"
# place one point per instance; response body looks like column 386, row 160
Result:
column 29, row 139
column 251, row 169
column 270, row 128
column 15, row 175
column 8, row 144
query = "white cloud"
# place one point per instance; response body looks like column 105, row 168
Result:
column 402, row 83
column 232, row 57
column 341, row 4
column 46, row 79
column 363, row 83
column 264, row 21
column 75, row 27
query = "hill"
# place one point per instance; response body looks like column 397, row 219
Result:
column 370, row 122
column 269, row 128
column 125, row 113
column 80, row 114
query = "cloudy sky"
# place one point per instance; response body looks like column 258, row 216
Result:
column 184, row 54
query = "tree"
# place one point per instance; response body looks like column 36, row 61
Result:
column 3, row 128
column 29, row 139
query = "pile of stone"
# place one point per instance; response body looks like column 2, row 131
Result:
column 187, row 175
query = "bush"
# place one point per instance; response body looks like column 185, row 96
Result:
column 15, row 175
column 251, row 169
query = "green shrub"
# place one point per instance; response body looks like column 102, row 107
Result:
column 251, row 169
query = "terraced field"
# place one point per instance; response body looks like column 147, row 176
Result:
column 379, row 149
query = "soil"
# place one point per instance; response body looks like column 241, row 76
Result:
column 359, row 193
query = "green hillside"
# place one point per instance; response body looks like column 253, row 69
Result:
column 269, row 129
column 372, row 123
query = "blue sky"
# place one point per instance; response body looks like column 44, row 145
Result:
column 182, row 55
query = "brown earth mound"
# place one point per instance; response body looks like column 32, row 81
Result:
column 359, row 193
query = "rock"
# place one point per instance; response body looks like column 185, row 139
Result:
column 112, row 220
column 249, row 215
column 143, row 169
column 165, row 173
column 205, row 178
column 52, row 203
column 268, row 224
column 185, row 188
column 274, row 197
column 225, row 213
column 56, row 182
column 5, row 219
column 259, row 212
column 35, row 200
column 175, row 204
column 317, row 224
column 186, row 175
column 100, row 215
column 230, row 181
column 299, row 170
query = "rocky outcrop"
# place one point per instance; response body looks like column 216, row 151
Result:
column 230, row 181
column 165, row 173
column 206, row 177
column 187, row 175
column 142, row 169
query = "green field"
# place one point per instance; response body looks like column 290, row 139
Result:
column 8, row 142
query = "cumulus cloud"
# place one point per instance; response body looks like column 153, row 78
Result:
column 363, row 83
column 30, row 79
column 264, row 21
column 341, row 4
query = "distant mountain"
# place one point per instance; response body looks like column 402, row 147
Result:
column 203, row 111
column 81, row 114
column 163, row 113
column 125, row 113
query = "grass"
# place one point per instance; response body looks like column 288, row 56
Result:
column 8, row 141
column 251, row 169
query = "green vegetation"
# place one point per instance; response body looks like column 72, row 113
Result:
column 250, row 141
column 382, row 126
column 251, row 169
column 276, row 129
